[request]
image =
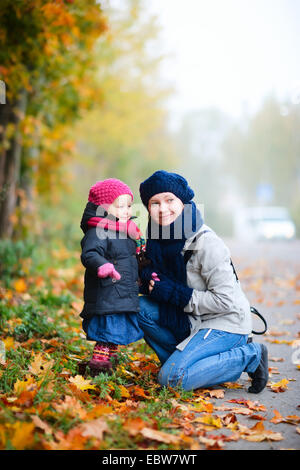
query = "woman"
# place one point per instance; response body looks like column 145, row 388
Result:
column 194, row 315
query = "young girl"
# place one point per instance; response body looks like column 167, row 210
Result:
column 110, row 247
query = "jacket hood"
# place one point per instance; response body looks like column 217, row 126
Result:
column 89, row 211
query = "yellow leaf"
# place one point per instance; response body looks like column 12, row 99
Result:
column 232, row 385
column 8, row 342
column 98, row 410
column 82, row 383
column 2, row 436
column 20, row 285
column 40, row 366
column 278, row 418
column 124, row 391
column 210, row 420
column 202, row 406
column 22, row 385
column 258, row 433
column 23, row 435
column 140, row 392
column 280, row 386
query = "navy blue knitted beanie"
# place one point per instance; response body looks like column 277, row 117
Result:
column 164, row 182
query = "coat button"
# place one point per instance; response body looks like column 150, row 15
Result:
column 114, row 280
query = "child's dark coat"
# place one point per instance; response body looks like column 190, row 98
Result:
column 107, row 296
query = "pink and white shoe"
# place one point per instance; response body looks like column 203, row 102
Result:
column 101, row 359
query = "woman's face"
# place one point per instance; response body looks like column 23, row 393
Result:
column 164, row 208
column 121, row 208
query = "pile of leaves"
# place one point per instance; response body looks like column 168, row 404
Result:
column 46, row 404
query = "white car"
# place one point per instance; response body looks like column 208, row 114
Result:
column 264, row 223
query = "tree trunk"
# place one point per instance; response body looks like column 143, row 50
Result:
column 10, row 113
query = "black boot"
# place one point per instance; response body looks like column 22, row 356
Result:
column 261, row 375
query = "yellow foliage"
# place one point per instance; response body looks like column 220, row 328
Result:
column 20, row 285
column 22, row 385
column 22, row 435
column 40, row 366
column 8, row 342
column 81, row 383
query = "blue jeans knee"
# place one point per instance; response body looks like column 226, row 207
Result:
column 149, row 311
column 172, row 376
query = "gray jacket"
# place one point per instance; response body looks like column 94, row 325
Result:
column 218, row 301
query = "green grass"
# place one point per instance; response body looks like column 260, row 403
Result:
column 42, row 321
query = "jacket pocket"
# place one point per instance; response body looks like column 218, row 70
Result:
column 125, row 291
column 107, row 282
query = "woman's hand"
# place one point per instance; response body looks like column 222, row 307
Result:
column 151, row 285
column 167, row 290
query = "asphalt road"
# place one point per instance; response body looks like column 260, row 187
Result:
column 270, row 276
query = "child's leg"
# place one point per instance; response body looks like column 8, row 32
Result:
column 103, row 351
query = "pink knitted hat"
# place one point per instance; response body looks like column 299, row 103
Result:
column 103, row 193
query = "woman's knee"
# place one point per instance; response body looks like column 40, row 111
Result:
column 149, row 311
column 172, row 376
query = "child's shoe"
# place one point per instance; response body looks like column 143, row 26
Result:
column 103, row 360
column 100, row 361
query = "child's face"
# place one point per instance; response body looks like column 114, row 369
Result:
column 121, row 207
column 164, row 208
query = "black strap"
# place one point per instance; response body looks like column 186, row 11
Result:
column 186, row 257
column 234, row 270
column 253, row 310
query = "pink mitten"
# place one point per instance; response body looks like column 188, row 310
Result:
column 154, row 277
column 108, row 269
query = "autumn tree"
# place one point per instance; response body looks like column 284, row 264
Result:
column 46, row 62
column 127, row 137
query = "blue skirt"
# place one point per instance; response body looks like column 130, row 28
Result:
column 117, row 328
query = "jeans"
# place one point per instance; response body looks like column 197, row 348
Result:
column 204, row 362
